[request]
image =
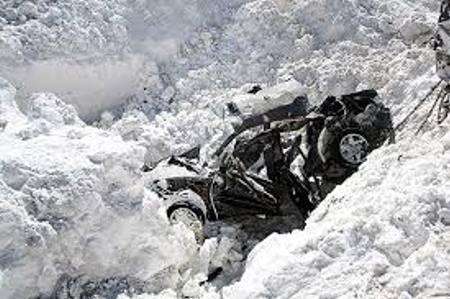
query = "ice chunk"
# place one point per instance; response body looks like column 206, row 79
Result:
column 10, row 116
column 50, row 108
column 270, row 98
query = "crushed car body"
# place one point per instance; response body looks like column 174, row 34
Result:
column 285, row 157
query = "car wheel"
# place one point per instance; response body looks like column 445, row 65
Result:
column 190, row 215
column 353, row 148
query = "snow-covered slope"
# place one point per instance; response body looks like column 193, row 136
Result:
column 72, row 199
column 97, row 54
column 385, row 233
column 272, row 42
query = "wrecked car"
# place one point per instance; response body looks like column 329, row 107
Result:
column 281, row 157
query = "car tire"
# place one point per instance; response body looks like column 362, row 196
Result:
column 352, row 147
column 347, row 149
column 191, row 216
column 197, row 211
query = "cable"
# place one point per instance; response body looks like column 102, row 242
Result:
column 443, row 109
column 430, row 112
column 420, row 103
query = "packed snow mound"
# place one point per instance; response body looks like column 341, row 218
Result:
column 382, row 234
column 73, row 203
column 95, row 51
column 45, row 29
column 41, row 30
column 265, row 36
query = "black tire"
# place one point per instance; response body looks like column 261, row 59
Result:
column 336, row 166
column 187, row 205
column 348, row 135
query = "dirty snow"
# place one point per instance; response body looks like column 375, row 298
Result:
column 154, row 76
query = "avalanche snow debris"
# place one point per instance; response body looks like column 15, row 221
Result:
column 374, row 58
column 73, row 201
column 379, row 234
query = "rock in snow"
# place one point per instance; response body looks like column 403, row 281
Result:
column 75, row 213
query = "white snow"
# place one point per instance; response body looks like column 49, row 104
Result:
column 382, row 234
column 73, row 200
column 281, row 94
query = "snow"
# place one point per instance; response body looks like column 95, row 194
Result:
column 270, row 98
column 155, row 76
column 247, row 52
column 73, row 202
column 382, row 234
column 8, row 107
